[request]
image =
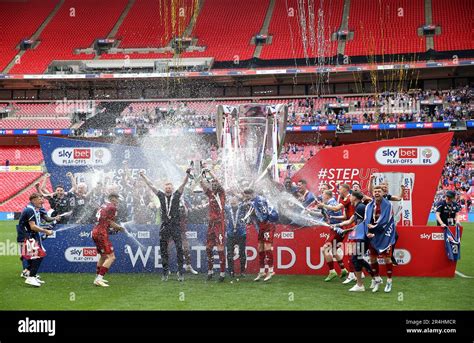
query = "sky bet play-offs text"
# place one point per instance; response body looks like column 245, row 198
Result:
column 424, row 155
column 81, row 156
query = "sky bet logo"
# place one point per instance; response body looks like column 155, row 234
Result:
column 403, row 152
column 407, row 155
column 82, row 153
column 81, row 156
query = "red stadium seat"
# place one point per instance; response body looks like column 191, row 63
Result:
column 19, row 20
column 76, row 25
column 18, row 155
column 287, row 40
column 13, row 182
column 385, row 27
column 225, row 28
column 455, row 19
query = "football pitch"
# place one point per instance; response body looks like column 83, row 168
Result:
column 283, row 292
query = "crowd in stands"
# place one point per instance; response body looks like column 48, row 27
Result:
column 178, row 115
column 398, row 107
column 458, row 174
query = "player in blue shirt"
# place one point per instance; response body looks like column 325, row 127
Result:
column 358, row 239
column 29, row 232
column 334, row 239
column 236, row 234
column 304, row 195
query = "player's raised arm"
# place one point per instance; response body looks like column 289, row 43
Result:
column 73, row 181
column 41, row 191
column 204, row 184
column 148, row 181
column 370, row 187
column 185, row 181
column 213, row 177
column 398, row 197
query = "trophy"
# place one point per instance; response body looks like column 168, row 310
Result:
column 250, row 137
column 198, row 173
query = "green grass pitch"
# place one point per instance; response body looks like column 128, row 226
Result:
column 148, row 292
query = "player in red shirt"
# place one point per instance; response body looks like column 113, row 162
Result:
column 346, row 205
column 216, row 228
column 100, row 234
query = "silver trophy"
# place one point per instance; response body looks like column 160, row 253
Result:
column 250, row 138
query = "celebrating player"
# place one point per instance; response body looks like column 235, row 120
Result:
column 330, row 250
column 79, row 200
column 446, row 210
column 100, row 234
column 344, row 204
column 384, row 186
column 262, row 216
column 382, row 233
column 183, row 225
column 236, row 234
column 303, row 194
column 170, row 222
column 216, row 228
column 28, row 231
column 357, row 238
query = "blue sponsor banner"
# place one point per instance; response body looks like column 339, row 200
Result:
column 367, row 127
column 91, row 161
column 211, row 130
column 22, row 132
column 7, row 215
column 71, row 249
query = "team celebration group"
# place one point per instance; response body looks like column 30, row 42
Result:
column 362, row 226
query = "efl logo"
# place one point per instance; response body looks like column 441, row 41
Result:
column 83, row 154
column 402, row 256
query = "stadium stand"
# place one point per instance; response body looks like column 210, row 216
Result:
column 286, row 31
column 152, row 24
column 12, row 182
column 147, row 24
column 13, row 123
column 219, row 28
column 18, row 202
column 385, row 27
column 455, row 34
column 19, row 20
column 20, row 155
column 381, row 108
column 76, row 25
